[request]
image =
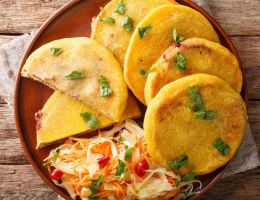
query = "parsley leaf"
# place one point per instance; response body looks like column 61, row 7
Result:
column 95, row 184
column 176, row 37
column 121, row 168
column 109, row 20
column 105, row 89
column 193, row 93
column 189, row 176
column 177, row 182
column 75, row 75
column 144, row 72
column 144, row 30
column 90, row 119
column 127, row 23
column 182, row 161
column 121, row 139
column 128, row 153
column 221, row 146
column 198, row 106
column 121, row 8
column 56, row 51
column 180, row 63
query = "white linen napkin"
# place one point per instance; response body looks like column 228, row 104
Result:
column 11, row 54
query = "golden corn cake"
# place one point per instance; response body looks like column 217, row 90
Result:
column 114, row 25
column 154, row 34
column 60, row 118
column 83, row 69
column 194, row 55
column 195, row 124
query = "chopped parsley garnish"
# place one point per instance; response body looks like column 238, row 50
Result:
column 128, row 153
column 105, row 89
column 90, row 119
column 144, row 72
column 109, row 20
column 189, row 176
column 127, row 23
column 56, row 51
column 121, row 139
column 121, row 168
column 221, row 146
column 75, row 75
column 180, row 63
column 182, row 161
column 121, row 8
column 183, row 195
column 144, row 30
column 95, row 184
column 177, row 182
column 197, row 105
column 176, row 37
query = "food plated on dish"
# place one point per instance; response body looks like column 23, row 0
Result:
column 194, row 121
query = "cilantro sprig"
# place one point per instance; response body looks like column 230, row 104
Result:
column 222, row 147
column 177, row 38
column 105, row 89
column 143, row 31
column 197, row 105
column 129, row 153
column 121, row 8
column 181, row 161
column 127, row 23
column 180, row 62
column 121, row 168
column 56, row 51
column 75, row 75
column 108, row 20
column 90, row 119
column 94, row 186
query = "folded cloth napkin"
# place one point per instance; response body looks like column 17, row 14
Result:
column 11, row 54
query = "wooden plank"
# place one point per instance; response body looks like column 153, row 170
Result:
column 23, row 16
column 21, row 182
column 241, row 186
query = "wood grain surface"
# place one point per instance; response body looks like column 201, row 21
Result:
column 240, row 19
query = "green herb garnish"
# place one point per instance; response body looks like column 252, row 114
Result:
column 183, row 195
column 144, row 72
column 127, row 23
column 197, row 105
column 121, row 8
column 109, row 20
column 128, row 153
column 182, row 161
column 221, row 146
column 56, row 51
column 105, row 89
column 75, row 75
column 144, row 30
column 121, row 139
column 177, row 182
column 90, row 119
column 180, row 63
column 189, row 176
column 95, row 184
column 94, row 198
column 176, row 37
column 121, row 168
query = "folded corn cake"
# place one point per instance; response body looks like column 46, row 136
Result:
column 83, row 69
column 60, row 118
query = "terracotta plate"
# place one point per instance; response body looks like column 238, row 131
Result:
column 74, row 20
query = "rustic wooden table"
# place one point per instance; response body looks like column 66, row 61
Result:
column 241, row 20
